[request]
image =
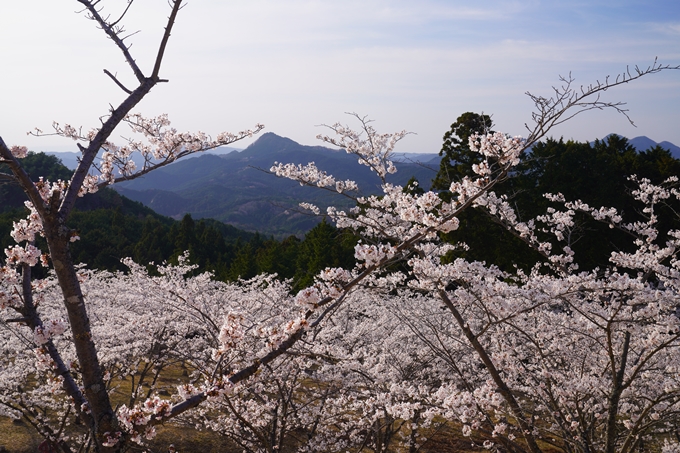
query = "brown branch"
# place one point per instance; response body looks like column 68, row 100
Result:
column 33, row 321
column 170, row 159
column 6, row 176
column 109, row 30
column 98, row 141
column 553, row 111
column 161, row 49
column 22, row 320
column 245, row 373
column 114, row 23
column 113, row 77
column 503, row 389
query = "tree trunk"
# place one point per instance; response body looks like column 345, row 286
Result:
column 99, row 405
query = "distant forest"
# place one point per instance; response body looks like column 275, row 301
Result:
column 112, row 227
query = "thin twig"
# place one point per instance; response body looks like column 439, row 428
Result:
column 122, row 87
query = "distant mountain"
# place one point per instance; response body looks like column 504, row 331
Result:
column 236, row 188
column 70, row 159
column 643, row 143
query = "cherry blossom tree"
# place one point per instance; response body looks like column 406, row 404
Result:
column 366, row 359
column 51, row 202
column 580, row 361
column 569, row 357
column 351, row 386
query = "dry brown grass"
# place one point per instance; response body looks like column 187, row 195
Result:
column 21, row 438
column 18, row 437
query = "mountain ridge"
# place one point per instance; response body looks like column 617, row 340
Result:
column 643, row 143
column 237, row 188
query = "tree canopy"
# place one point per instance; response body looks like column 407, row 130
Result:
column 597, row 173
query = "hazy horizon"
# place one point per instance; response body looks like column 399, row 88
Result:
column 223, row 149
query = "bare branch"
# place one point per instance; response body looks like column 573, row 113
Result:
column 111, row 31
column 7, row 177
column 568, row 101
column 114, row 23
column 161, row 49
column 122, row 87
column 184, row 148
column 22, row 320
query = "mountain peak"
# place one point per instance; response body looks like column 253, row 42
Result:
column 270, row 141
column 643, row 143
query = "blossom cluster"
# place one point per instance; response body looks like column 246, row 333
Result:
column 49, row 330
column 19, row 151
column 371, row 148
column 9, row 287
column 500, row 147
column 135, row 420
column 312, row 176
column 534, row 326
column 160, row 144
column 231, row 333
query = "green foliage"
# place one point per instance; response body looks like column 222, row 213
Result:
column 413, row 187
column 112, row 227
column 105, row 237
column 596, row 174
column 457, row 159
column 324, row 246
column 36, row 165
column 279, row 257
column 6, row 219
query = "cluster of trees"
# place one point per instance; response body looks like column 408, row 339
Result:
column 596, row 173
column 430, row 341
column 112, row 227
column 229, row 254
column 543, row 352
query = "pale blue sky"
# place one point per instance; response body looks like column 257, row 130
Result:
column 292, row 65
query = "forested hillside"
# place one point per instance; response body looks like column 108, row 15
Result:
column 597, row 173
column 112, row 227
column 237, row 189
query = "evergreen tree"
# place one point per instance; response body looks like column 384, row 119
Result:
column 279, row 257
column 596, row 174
column 243, row 266
column 457, row 159
column 324, row 246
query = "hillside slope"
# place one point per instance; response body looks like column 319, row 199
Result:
column 237, row 189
